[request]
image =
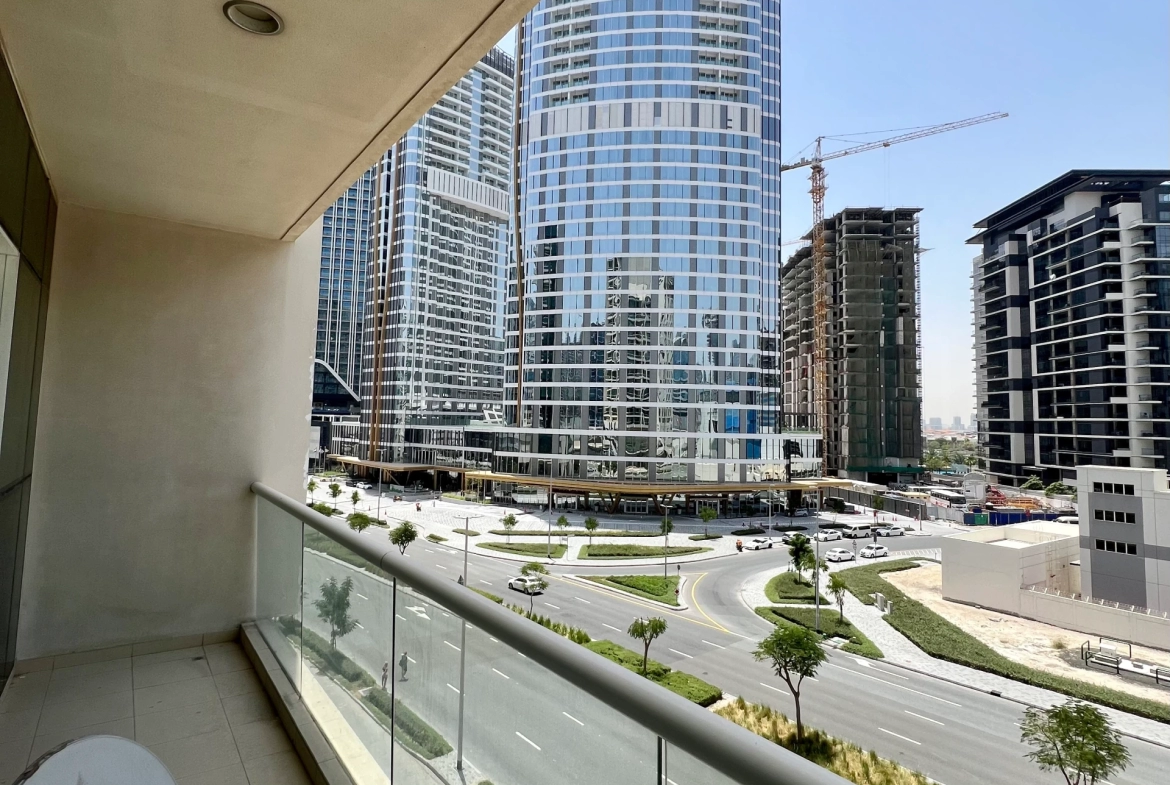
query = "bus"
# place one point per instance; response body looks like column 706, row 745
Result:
column 941, row 497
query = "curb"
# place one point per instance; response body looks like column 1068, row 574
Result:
column 562, row 562
column 682, row 606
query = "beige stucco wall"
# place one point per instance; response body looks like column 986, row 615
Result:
column 1123, row 625
column 177, row 371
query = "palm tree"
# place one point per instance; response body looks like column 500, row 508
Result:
column 837, row 588
column 312, row 488
column 799, row 550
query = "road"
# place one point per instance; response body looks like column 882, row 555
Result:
column 521, row 718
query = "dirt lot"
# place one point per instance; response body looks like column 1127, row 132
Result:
column 1025, row 641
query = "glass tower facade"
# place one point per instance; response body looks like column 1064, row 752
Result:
column 644, row 295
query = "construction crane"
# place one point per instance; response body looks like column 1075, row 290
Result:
column 817, row 189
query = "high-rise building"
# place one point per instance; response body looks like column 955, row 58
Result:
column 1072, row 326
column 639, row 334
column 957, row 423
column 874, row 382
column 438, row 247
column 935, row 423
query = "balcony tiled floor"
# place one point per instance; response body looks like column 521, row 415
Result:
column 200, row 709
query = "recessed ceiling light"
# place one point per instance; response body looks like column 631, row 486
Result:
column 253, row 17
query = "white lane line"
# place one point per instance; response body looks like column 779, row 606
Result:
column 867, row 664
column 429, row 550
column 452, row 645
column 406, row 555
column 441, row 567
column 493, row 640
column 899, row 686
column 919, row 716
column 549, row 604
column 400, row 616
column 900, row 736
column 587, row 602
column 359, row 626
column 681, row 653
column 485, row 583
column 506, row 676
column 603, row 624
column 453, row 687
column 364, row 597
column 716, row 645
column 530, row 741
column 574, row 719
column 769, row 686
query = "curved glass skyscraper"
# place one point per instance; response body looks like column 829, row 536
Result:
column 642, row 307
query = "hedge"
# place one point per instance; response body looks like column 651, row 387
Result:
column 784, row 588
column 939, row 638
column 575, row 634
column 523, row 548
column 412, row 730
column 489, row 595
column 806, row 617
column 690, row 687
column 746, row 532
column 635, row 551
column 436, row 538
column 652, row 587
column 468, row 532
column 705, row 537
column 572, row 533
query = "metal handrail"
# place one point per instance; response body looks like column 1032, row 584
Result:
column 724, row 746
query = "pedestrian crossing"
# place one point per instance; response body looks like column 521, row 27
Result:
column 920, row 553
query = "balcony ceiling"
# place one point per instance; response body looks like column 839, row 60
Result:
column 163, row 108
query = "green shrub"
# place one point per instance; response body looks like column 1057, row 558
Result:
column 468, row 532
column 436, row 538
column 832, row 623
column 747, row 532
column 690, row 687
column 700, row 537
column 573, row 533
column 325, row 509
column 652, row 587
column 523, row 548
column 575, row 634
column 784, row 587
column 939, row 638
column 489, row 595
column 635, row 551
column 411, row 729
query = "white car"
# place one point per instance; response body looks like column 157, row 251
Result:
column 365, row 486
column 839, row 554
column 890, row 531
column 758, row 544
column 526, row 584
column 828, row 534
column 874, row 551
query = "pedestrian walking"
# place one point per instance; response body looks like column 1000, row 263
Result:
column 385, row 673
column 402, row 665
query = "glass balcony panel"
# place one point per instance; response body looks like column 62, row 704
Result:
column 278, row 585
column 681, row 768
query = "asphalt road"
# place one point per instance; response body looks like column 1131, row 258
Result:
column 521, row 718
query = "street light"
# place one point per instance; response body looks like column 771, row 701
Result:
column 817, row 580
column 463, row 637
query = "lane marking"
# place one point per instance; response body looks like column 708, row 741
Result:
column 441, row 567
column 493, row 640
column 452, row 687
column 900, row 736
column 716, row 645
column 485, row 583
column 612, row 595
column 411, row 659
column 871, row 666
column 682, row 653
column 919, row 716
column 603, row 624
column 429, row 550
column 364, row 597
column 400, row 616
column 574, row 719
column 506, row 676
column 359, row 626
column 549, row 604
column 587, row 602
column 452, row 645
column 899, row 686
column 695, row 604
column 530, row 741
column 777, row 689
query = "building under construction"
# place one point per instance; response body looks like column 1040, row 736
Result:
column 873, row 397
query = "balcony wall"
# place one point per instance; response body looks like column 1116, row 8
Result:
column 177, row 367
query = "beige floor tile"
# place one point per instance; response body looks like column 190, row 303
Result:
column 193, row 720
column 171, row 696
column 34, row 665
column 47, row 741
column 187, row 653
column 87, row 711
column 283, row 768
column 19, row 725
column 257, row 739
column 197, row 754
column 250, row 707
column 154, row 673
column 237, row 683
column 167, row 644
column 87, row 685
column 97, row 655
column 89, row 669
column 13, row 758
column 25, row 692
column 226, row 658
column 229, row 775
column 226, row 636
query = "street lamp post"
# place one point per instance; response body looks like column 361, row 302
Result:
column 463, row 639
column 548, row 546
column 817, row 582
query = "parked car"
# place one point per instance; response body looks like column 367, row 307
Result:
column 758, row 544
column 890, row 531
column 365, row 486
column 824, row 535
column 800, row 512
column 525, row 583
column 839, row 554
column 874, row 551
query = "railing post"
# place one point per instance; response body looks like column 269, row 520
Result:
column 393, row 657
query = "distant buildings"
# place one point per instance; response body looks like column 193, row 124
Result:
column 1072, row 326
column 935, row 424
column 874, row 396
column 957, row 423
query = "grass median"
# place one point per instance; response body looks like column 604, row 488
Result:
column 572, row 533
column 939, row 638
column 787, row 588
column 650, row 587
column 637, row 551
column 690, row 687
column 832, row 624
column 523, row 548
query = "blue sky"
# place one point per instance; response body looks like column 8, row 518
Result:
column 1087, row 84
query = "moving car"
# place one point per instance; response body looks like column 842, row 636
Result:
column 839, row 554
column 828, row 534
column 758, row 544
column 874, row 551
column 800, row 512
column 525, row 583
column 857, row 531
column 365, row 486
column 890, row 531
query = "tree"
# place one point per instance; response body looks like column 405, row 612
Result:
column 1032, row 484
column 795, row 653
column 1075, row 739
column 562, row 523
column 936, row 462
column 837, row 589
column 355, row 497
column 334, row 490
column 509, row 524
column 312, row 488
column 536, row 570
column 591, row 526
column 646, row 630
column 1060, row 488
column 403, row 534
column 333, row 608
column 879, row 503
column 666, row 526
column 799, row 550
column 359, row 521
column 708, row 514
